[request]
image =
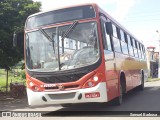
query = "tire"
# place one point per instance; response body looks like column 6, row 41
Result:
column 119, row 99
column 141, row 87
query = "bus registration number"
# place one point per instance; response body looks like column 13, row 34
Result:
column 92, row 95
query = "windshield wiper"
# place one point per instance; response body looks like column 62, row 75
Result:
column 67, row 32
column 48, row 37
column 45, row 34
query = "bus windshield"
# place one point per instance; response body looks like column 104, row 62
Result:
column 78, row 49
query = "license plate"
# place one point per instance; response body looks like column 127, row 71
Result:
column 92, row 95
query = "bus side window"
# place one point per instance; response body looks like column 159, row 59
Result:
column 108, row 40
column 130, row 47
column 139, row 47
column 132, row 43
column 103, row 33
column 122, row 35
column 123, row 43
column 144, row 52
column 136, row 48
column 114, row 31
column 141, row 51
column 106, row 37
column 116, row 41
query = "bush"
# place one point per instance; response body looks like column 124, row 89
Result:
column 23, row 75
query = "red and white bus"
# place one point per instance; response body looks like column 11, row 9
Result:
column 80, row 54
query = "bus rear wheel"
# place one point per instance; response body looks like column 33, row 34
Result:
column 141, row 87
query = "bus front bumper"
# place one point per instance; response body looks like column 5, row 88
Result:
column 94, row 94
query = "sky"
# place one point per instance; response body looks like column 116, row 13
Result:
column 140, row 17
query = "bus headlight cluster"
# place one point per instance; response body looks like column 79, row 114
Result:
column 92, row 82
column 33, row 86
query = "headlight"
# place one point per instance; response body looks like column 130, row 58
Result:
column 95, row 78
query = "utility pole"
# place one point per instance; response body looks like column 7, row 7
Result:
column 158, row 55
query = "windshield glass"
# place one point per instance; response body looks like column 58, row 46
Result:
column 78, row 49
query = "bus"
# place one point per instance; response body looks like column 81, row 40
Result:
column 80, row 54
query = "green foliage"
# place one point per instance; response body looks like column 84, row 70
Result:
column 13, row 14
column 11, row 77
column 153, row 79
column 23, row 75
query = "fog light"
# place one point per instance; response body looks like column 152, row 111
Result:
column 90, row 84
column 95, row 78
column 36, row 88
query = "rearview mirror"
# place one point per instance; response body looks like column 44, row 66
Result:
column 109, row 28
column 18, row 39
column 14, row 39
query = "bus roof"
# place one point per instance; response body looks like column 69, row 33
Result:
column 38, row 13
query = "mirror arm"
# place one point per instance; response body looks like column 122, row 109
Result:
column 15, row 36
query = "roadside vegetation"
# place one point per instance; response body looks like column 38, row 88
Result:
column 153, row 79
column 15, row 74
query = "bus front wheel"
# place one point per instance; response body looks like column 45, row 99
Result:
column 119, row 99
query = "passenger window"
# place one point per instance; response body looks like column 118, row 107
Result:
column 139, row 50
column 124, row 47
column 129, row 40
column 130, row 48
column 144, row 52
column 114, row 31
column 138, row 54
column 133, row 43
column 117, row 46
column 136, row 44
column 124, row 42
column 122, row 35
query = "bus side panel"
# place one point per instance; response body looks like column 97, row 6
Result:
column 125, row 67
column 112, row 84
column 111, row 75
column 129, row 83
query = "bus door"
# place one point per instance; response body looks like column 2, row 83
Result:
column 110, row 63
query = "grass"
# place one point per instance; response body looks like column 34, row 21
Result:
column 153, row 79
column 11, row 78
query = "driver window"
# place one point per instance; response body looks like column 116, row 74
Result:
column 108, row 40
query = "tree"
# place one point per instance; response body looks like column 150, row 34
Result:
column 13, row 14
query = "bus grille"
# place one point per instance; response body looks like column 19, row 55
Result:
column 61, row 78
column 62, row 96
column 65, row 87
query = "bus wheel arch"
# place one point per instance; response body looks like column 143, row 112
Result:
column 141, row 86
column 121, row 88
column 123, row 81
